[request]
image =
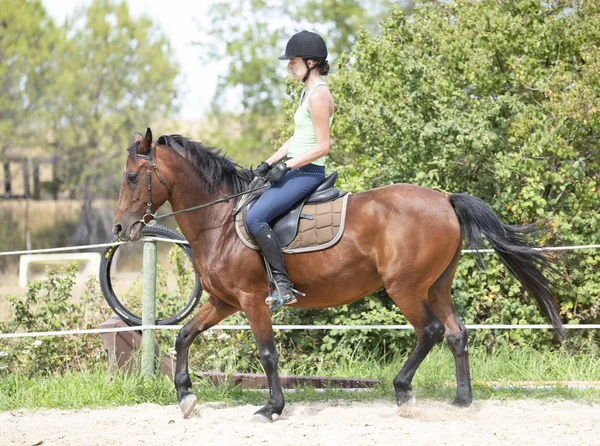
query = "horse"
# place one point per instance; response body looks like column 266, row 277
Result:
column 403, row 238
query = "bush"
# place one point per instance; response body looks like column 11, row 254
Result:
column 47, row 306
column 497, row 99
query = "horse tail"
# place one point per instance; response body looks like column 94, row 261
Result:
column 515, row 247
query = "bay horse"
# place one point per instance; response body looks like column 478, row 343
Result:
column 403, row 238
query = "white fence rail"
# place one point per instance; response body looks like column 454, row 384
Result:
column 289, row 327
column 146, row 328
column 158, row 239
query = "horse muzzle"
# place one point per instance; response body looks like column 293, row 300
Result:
column 129, row 233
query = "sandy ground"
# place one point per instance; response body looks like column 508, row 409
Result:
column 525, row 422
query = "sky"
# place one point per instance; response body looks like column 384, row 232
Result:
column 179, row 22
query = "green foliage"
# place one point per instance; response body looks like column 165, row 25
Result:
column 249, row 36
column 117, row 75
column 28, row 41
column 47, row 306
column 91, row 387
column 497, row 99
column 94, row 388
column 79, row 91
column 170, row 297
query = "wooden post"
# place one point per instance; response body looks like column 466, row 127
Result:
column 148, row 308
column 7, row 185
column 36, row 179
column 27, row 187
column 55, row 178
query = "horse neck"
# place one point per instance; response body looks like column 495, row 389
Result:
column 208, row 227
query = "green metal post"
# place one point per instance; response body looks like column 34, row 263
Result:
column 149, row 308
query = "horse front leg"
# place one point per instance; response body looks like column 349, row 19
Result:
column 262, row 329
column 213, row 311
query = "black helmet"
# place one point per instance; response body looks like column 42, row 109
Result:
column 305, row 44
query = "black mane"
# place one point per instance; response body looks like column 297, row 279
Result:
column 215, row 168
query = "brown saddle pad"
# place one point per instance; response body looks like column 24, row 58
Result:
column 322, row 232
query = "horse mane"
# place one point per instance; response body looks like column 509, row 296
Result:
column 215, row 168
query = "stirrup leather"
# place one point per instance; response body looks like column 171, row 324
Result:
column 276, row 297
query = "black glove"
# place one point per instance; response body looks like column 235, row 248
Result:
column 262, row 170
column 277, row 172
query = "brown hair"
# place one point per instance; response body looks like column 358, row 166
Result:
column 323, row 67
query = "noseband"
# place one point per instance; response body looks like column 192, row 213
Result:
column 149, row 216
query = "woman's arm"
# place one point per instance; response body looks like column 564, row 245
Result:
column 320, row 107
column 281, row 153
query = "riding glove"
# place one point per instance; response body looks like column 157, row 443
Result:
column 262, row 170
column 277, row 172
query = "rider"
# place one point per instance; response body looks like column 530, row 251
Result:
column 303, row 169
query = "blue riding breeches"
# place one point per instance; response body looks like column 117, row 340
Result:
column 293, row 187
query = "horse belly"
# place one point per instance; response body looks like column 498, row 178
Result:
column 339, row 275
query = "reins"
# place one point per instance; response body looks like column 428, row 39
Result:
column 150, row 219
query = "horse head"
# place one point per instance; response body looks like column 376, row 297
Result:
column 138, row 200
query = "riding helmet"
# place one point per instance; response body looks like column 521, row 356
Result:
column 305, row 44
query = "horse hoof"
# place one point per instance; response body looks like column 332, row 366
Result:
column 260, row 418
column 406, row 399
column 408, row 409
column 187, row 405
column 461, row 403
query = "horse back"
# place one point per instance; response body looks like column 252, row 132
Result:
column 405, row 205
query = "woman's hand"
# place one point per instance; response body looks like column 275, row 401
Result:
column 277, row 172
column 262, row 170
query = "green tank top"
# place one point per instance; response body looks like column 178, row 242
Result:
column 304, row 137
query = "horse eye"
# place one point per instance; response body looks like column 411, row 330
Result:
column 132, row 177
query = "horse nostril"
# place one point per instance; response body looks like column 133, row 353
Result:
column 117, row 229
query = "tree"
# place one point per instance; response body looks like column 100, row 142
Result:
column 250, row 35
column 28, row 43
column 117, row 75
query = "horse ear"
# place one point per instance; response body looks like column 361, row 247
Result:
column 145, row 142
column 137, row 136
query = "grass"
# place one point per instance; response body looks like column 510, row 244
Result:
column 434, row 380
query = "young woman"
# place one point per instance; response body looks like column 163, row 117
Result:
column 298, row 167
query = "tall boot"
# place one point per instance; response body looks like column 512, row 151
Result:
column 267, row 240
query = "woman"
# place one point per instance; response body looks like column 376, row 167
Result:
column 304, row 153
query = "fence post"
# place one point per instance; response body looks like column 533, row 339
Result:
column 148, row 308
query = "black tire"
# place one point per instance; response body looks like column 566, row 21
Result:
column 128, row 315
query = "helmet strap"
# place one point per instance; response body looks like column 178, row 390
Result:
column 308, row 70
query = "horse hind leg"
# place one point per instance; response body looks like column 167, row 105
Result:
column 429, row 331
column 440, row 301
column 211, row 313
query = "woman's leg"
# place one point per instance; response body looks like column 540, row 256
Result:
column 276, row 200
column 293, row 187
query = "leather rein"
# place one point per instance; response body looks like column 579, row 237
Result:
column 150, row 219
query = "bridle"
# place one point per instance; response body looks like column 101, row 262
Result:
column 150, row 163
column 150, row 219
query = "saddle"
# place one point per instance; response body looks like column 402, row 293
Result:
column 312, row 224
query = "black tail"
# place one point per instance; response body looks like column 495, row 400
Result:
column 514, row 245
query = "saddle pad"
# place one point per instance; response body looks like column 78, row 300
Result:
column 322, row 232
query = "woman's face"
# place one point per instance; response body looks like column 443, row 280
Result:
column 297, row 67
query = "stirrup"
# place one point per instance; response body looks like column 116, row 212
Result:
column 276, row 299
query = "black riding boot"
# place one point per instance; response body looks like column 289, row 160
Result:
column 267, row 240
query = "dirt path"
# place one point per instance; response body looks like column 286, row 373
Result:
column 526, row 422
